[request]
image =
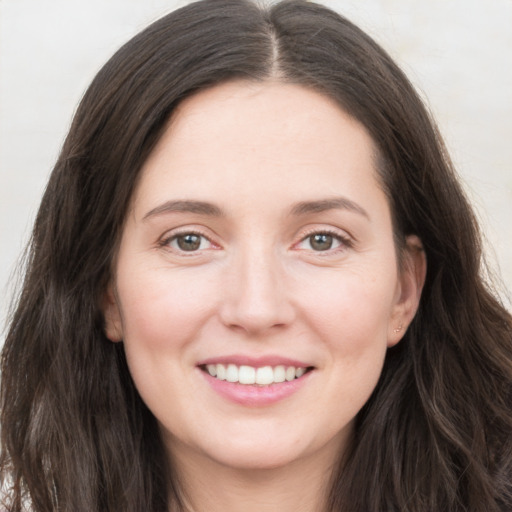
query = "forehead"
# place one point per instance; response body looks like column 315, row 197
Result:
column 264, row 113
column 255, row 138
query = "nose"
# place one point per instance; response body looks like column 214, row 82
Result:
column 255, row 294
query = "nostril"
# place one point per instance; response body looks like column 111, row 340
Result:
column 255, row 317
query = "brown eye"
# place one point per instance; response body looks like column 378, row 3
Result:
column 189, row 242
column 321, row 241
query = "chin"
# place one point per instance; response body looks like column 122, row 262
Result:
column 273, row 451
column 255, row 458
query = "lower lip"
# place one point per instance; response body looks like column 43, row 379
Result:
column 254, row 395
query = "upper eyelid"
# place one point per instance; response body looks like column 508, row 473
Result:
column 183, row 230
column 337, row 232
column 172, row 234
column 313, row 231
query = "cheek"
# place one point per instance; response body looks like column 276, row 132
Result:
column 351, row 306
column 350, row 317
column 162, row 310
column 162, row 317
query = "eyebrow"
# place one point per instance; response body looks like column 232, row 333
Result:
column 198, row 207
column 299, row 209
column 322, row 205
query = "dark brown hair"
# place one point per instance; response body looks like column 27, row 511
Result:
column 436, row 433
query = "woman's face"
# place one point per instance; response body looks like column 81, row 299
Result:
column 259, row 249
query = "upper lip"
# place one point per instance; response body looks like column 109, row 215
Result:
column 256, row 362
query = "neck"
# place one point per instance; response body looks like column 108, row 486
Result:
column 211, row 487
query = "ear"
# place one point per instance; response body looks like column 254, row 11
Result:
column 112, row 315
column 410, row 285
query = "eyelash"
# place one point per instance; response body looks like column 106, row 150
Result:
column 344, row 241
column 166, row 241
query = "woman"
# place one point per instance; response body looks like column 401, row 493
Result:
column 254, row 282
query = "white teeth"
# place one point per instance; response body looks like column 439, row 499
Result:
column 221, row 372
column 232, row 373
column 262, row 376
column 279, row 374
column 247, row 375
column 265, row 375
column 299, row 372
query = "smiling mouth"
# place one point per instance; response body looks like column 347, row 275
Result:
column 249, row 375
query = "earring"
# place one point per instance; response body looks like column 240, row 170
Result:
column 398, row 329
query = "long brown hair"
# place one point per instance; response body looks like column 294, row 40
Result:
column 436, row 435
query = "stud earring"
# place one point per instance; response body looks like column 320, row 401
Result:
column 398, row 329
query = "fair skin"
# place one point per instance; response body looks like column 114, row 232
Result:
column 259, row 236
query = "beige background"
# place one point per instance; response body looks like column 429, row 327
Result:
column 457, row 52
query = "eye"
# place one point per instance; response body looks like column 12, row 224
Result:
column 189, row 242
column 322, row 242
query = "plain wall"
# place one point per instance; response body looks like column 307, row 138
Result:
column 458, row 53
